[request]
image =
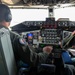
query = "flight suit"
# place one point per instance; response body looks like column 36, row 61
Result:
column 24, row 52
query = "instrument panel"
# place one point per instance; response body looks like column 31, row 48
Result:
column 49, row 32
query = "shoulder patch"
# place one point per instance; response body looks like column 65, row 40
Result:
column 22, row 41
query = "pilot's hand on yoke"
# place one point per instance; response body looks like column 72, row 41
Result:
column 48, row 49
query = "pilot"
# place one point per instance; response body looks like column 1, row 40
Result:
column 22, row 50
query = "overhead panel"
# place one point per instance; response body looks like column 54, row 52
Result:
column 35, row 2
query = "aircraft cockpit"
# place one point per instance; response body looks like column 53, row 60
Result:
column 50, row 33
column 47, row 29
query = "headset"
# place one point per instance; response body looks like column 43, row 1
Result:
column 5, row 13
